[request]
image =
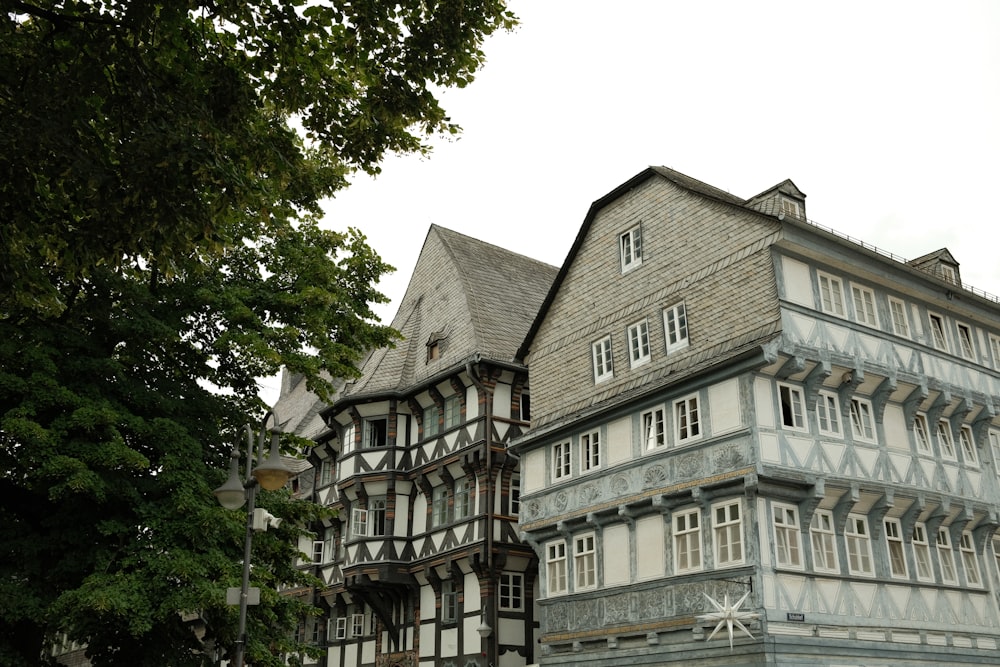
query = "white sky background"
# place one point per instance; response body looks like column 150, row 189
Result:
column 885, row 113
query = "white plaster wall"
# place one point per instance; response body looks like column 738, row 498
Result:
column 619, row 440
column 796, row 282
column 533, row 471
column 649, row 551
column 616, row 554
column 724, row 406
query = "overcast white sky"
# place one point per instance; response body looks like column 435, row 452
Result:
column 885, row 113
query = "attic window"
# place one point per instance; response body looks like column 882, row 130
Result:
column 435, row 346
column 949, row 273
column 790, row 208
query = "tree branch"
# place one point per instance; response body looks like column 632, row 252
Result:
column 59, row 18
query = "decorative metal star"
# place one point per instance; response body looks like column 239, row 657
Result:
column 730, row 616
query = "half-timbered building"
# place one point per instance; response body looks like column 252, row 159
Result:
column 756, row 441
column 423, row 565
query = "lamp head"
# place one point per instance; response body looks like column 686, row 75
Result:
column 232, row 495
column 272, row 474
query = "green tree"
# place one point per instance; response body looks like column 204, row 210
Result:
column 161, row 170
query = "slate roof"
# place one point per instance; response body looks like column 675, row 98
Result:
column 475, row 297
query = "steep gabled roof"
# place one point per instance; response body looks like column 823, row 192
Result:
column 681, row 180
column 470, row 296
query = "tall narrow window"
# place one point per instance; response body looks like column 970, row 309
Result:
column 585, row 562
column 922, row 553
column 894, row 542
column 463, row 498
column 375, row 432
column 859, row 546
column 376, row 517
column 357, row 625
column 347, row 440
column 787, row 539
column 675, row 327
column 452, row 411
column 831, row 292
column 900, row 325
column 515, row 495
column 449, row 601
column 652, row 428
column 994, row 437
column 789, row 207
column 687, row 541
column 560, row 460
column 630, row 246
column 688, row 422
column 965, row 341
column 968, row 446
column 340, row 628
column 603, row 364
column 862, row 423
column 946, row 557
column 511, row 591
column 727, row 527
column 970, row 563
column 590, row 451
column 439, row 506
column 937, row 332
column 555, row 567
column 828, row 413
column 995, row 350
column 996, row 552
column 824, row 542
column 638, row 343
column 317, row 555
column 864, row 306
column 431, row 421
column 921, row 434
column 793, row 407
column 945, row 441
column 359, row 522
column 325, row 472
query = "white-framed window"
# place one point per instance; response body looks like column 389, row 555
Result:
column 938, row 337
column 894, row 543
column 630, row 248
column 329, row 544
column 970, row 563
column 946, row 556
column 452, row 411
column 831, row 294
column 687, row 420
column 968, row 444
column 326, row 469
column 347, row 440
column 515, row 495
column 859, row 546
column 945, row 441
column 431, row 421
column 317, row 554
column 824, row 542
column 790, row 207
column 965, row 345
column 862, row 420
column 561, row 460
column 555, row 567
column 922, row 552
column 511, row 591
column 828, row 413
column 675, row 327
column 603, row 363
column 727, row 530
column 793, row 407
column 463, row 498
column 996, row 552
column 900, row 323
column 687, row 541
column 359, row 522
column 375, row 432
column 921, row 434
column 653, row 432
column 949, row 273
column 339, row 628
column 995, row 350
column 357, row 625
column 585, row 561
column 376, row 516
column 590, row 451
column 994, row 437
column 449, row 601
column 787, row 536
column 439, row 506
column 865, row 311
column 638, row 344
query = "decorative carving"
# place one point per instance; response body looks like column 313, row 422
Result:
column 589, row 493
column 556, row 617
column 532, row 510
column 689, row 466
column 650, row 604
column 654, row 476
column 561, row 501
column 616, row 609
column 586, row 615
column 729, row 458
column 619, row 485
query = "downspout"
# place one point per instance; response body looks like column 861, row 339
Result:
column 491, row 607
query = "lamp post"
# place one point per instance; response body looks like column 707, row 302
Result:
column 271, row 474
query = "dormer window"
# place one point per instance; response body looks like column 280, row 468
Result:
column 790, row 208
column 436, row 345
column 630, row 245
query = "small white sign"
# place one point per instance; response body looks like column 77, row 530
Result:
column 233, row 595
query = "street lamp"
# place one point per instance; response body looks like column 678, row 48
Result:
column 270, row 474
